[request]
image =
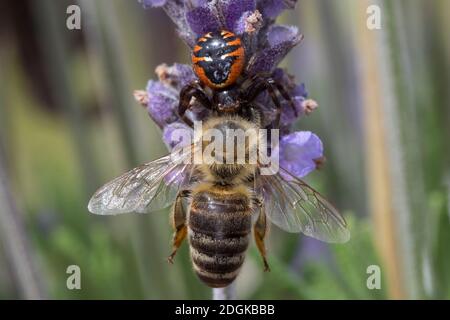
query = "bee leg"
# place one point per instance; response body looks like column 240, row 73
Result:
column 260, row 230
column 186, row 94
column 179, row 224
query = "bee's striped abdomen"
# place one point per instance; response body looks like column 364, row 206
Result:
column 219, row 229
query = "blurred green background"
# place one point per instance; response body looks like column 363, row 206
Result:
column 69, row 123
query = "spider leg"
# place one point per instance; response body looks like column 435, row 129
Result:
column 260, row 85
column 263, row 81
column 186, row 94
column 286, row 96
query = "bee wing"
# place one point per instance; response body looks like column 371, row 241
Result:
column 149, row 187
column 168, row 188
column 294, row 206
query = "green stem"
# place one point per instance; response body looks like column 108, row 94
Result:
column 20, row 256
column 227, row 293
column 50, row 24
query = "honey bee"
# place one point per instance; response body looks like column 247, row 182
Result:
column 217, row 204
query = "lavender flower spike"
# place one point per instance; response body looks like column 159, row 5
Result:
column 265, row 43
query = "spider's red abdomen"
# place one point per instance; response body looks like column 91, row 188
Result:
column 218, row 59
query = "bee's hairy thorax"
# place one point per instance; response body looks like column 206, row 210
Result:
column 223, row 172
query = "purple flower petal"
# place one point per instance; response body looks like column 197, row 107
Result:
column 152, row 3
column 278, row 34
column 281, row 39
column 162, row 103
column 234, row 9
column 202, row 20
column 177, row 134
column 178, row 75
column 200, row 3
column 297, row 152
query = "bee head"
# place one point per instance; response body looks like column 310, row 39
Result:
column 231, row 141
